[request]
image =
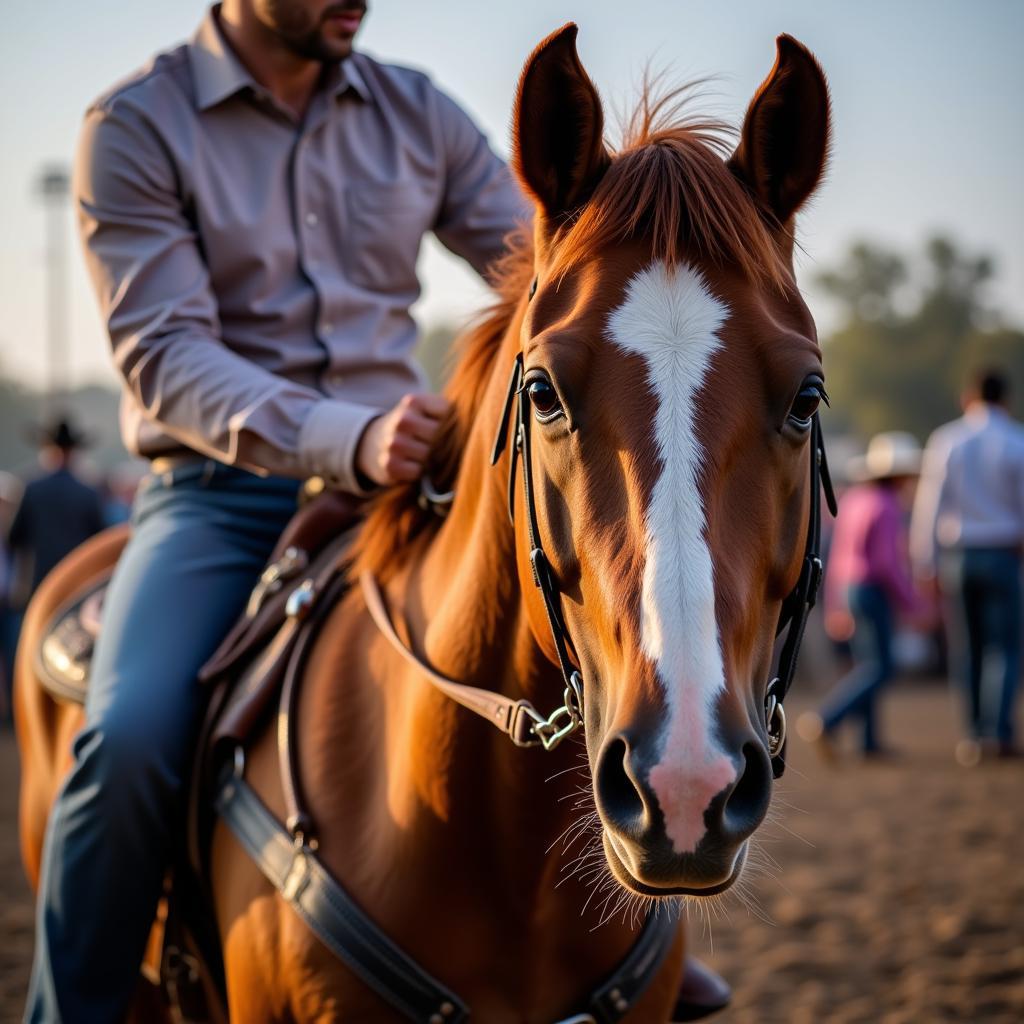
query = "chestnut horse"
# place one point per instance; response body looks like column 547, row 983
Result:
column 670, row 373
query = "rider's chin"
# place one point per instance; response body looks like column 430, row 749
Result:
column 685, row 875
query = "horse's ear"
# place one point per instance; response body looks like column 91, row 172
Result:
column 785, row 138
column 558, row 127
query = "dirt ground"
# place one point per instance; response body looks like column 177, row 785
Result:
column 888, row 893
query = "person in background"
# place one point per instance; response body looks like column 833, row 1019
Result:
column 967, row 535
column 867, row 581
column 57, row 512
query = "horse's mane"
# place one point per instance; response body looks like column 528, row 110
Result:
column 667, row 182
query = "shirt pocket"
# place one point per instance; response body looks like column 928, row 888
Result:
column 386, row 223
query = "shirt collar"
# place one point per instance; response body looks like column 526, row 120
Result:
column 350, row 77
column 218, row 73
column 983, row 412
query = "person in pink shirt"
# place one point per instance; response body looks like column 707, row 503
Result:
column 867, row 582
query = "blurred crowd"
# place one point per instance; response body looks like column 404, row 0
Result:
column 43, row 518
column 932, row 540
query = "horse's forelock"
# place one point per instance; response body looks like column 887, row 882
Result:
column 669, row 183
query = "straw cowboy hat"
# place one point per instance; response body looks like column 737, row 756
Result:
column 890, row 454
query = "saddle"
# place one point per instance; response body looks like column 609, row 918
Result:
column 311, row 547
column 303, row 579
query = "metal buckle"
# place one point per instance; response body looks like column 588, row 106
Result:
column 292, row 561
column 547, row 730
column 300, row 600
column 299, row 872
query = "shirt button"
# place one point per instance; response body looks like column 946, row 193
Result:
column 312, row 264
column 312, row 219
column 326, row 327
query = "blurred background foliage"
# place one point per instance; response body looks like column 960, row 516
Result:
column 911, row 327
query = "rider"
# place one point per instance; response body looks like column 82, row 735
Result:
column 251, row 206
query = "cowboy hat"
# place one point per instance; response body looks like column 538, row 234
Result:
column 60, row 433
column 890, row 454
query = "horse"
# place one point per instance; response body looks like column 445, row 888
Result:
column 629, row 516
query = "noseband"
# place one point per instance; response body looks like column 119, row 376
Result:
column 520, row 719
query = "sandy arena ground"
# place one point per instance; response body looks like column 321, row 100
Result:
column 896, row 894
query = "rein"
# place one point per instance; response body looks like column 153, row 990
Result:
column 519, row 719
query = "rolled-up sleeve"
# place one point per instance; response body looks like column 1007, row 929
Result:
column 154, row 292
column 482, row 203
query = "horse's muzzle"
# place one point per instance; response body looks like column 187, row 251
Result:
column 639, row 849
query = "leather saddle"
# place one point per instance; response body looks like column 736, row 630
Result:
column 310, row 553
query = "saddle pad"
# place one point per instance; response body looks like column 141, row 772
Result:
column 64, row 655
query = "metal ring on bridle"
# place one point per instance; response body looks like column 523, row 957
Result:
column 775, row 721
column 433, row 500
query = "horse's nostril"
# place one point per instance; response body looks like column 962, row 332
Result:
column 617, row 794
column 747, row 804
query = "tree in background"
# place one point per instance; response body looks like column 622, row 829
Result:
column 911, row 332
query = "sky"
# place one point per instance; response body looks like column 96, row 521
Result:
column 928, row 132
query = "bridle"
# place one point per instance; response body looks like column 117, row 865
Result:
column 520, row 719
column 798, row 604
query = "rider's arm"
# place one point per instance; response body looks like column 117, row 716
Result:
column 482, row 202
column 162, row 317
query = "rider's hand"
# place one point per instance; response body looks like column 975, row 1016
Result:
column 395, row 445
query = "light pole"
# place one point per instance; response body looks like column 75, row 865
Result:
column 54, row 187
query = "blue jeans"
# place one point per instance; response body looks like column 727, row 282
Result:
column 202, row 534
column 983, row 588
column 871, row 647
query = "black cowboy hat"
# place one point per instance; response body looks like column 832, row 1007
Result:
column 60, row 433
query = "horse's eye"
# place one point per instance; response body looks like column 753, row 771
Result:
column 544, row 398
column 806, row 403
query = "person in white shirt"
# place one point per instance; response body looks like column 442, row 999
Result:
column 967, row 534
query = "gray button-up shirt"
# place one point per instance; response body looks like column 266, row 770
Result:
column 256, row 273
column 971, row 492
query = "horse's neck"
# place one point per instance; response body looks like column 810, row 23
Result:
column 473, row 827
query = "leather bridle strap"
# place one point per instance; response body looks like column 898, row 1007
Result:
column 518, row 719
column 571, row 712
column 798, row 604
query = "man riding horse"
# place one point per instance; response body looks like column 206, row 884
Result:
column 251, row 206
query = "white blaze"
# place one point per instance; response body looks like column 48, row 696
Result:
column 671, row 319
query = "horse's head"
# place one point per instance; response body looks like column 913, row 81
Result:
column 673, row 372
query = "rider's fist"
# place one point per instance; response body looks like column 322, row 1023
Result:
column 395, row 445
